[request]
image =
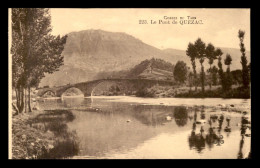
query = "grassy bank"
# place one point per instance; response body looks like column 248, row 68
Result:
column 185, row 92
column 237, row 93
column 43, row 135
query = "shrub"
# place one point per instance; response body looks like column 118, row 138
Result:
column 143, row 92
column 232, row 93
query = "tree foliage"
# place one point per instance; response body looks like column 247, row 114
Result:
column 237, row 76
column 219, row 53
column 245, row 70
column 214, row 71
column 228, row 79
column 191, row 52
column 200, row 50
column 211, row 55
column 180, row 72
column 228, row 60
column 34, row 50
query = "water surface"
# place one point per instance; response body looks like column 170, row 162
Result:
column 162, row 128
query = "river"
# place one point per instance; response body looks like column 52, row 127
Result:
column 123, row 127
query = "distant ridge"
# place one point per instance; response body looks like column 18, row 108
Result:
column 89, row 52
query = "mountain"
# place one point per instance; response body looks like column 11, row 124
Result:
column 89, row 53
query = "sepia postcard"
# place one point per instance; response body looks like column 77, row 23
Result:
column 129, row 83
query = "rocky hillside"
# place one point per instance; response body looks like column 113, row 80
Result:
column 89, row 53
column 149, row 69
column 152, row 69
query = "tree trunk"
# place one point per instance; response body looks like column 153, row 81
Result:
column 190, row 84
column 193, row 62
column 20, row 103
column 25, row 101
column 202, row 78
column 195, row 79
column 211, row 77
column 15, row 106
column 16, row 109
column 29, row 100
column 17, row 98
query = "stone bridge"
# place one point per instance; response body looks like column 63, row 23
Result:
column 87, row 87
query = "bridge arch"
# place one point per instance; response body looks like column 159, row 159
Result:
column 71, row 91
column 48, row 93
column 110, row 84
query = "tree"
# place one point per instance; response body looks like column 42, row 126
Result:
column 117, row 89
column 200, row 50
column 180, row 72
column 190, row 79
column 34, row 51
column 237, row 76
column 191, row 52
column 211, row 55
column 249, row 70
column 214, row 72
column 219, row 53
column 228, row 79
column 228, row 61
column 245, row 70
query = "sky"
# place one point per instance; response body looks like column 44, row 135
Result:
column 219, row 26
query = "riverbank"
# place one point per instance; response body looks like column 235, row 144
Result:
column 237, row 93
column 209, row 104
column 43, row 135
column 29, row 142
column 186, row 92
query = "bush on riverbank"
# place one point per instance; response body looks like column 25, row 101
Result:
column 29, row 142
column 43, row 135
column 184, row 92
column 156, row 91
column 232, row 93
column 145, row 93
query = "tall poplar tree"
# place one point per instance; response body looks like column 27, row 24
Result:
column 245, row 70
column 211, row 55
column 200, row 50
column 34, row 50
column 228, row 82
column 191, row 52
column 219, row 53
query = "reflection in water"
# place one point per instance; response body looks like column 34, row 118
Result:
column 211, row 137
column 150, row 115
column 245, row 126
column 66, row 142
column 107, row 132
column 72, row 102
column 240, row 153
column 197, row 141
column 181, row 116
column 220, row 121
column 228, row 128
column 213, row 118
column 202, row 114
